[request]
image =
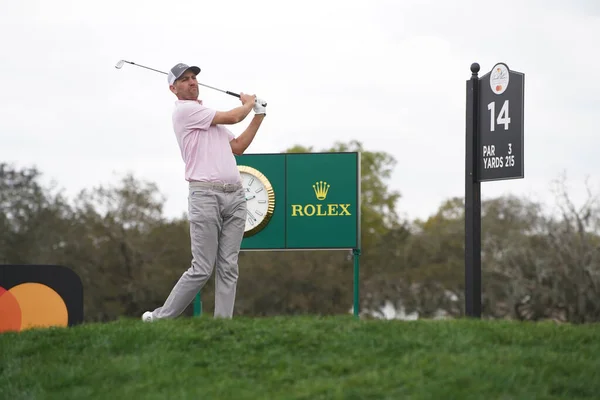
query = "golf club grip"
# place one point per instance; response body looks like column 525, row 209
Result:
column 238, row 96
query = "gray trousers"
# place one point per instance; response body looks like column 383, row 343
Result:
column 217, row 217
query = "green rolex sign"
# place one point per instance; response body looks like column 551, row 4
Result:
column 302, row 201
column 322, row 200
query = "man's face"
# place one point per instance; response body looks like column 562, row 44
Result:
column 186, row 87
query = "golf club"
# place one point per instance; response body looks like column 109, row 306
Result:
column 121, row 62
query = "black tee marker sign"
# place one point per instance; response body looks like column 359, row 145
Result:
column 493, row 151
column 500, row 149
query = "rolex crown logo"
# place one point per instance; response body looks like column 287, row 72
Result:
column 321, row 188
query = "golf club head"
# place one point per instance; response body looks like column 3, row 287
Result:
column 120, row 64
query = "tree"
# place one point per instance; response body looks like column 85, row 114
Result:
column 125, row 248
column 552, row 270
column 420, row 266
column 32, row 218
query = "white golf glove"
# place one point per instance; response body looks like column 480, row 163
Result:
column 259, row 108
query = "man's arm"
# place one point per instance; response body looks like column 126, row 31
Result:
column 241, row 143
column 237, row 114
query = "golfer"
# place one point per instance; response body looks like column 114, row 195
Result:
column 216, row 202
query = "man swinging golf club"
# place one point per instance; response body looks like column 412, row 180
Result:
column 216, row 201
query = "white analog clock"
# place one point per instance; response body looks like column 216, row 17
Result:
column 260, row 199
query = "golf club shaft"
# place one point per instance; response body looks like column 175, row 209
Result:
column 120, row 64
column 139, row 65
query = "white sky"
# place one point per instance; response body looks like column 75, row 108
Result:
column 390, row 74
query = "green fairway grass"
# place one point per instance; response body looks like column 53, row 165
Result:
column 302, row 358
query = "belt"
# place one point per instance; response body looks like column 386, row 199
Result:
column 223, row 187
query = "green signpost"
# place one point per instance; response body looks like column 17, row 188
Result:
column 302, row 201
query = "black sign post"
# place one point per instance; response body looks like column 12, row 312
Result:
column 472, row 202
column 494, row 151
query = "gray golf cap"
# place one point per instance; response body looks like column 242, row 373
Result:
column 178, row 70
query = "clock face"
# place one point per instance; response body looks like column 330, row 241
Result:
column 260, row 199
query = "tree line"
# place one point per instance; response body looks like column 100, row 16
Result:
column 535, row 265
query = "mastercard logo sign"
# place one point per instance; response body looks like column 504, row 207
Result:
column 31, row 305
column 39, row 296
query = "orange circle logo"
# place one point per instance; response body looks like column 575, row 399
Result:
column 31, row 305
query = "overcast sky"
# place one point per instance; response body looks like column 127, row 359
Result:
column 390, row 74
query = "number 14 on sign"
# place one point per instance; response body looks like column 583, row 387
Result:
column 503, row 118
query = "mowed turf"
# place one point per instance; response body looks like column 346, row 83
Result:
column 302, row 358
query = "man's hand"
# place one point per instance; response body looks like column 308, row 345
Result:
column 259, row 108
column 247, row 99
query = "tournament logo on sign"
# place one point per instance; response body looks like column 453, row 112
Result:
column 499, row 78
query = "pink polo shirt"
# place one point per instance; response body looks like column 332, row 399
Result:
column 205, row 149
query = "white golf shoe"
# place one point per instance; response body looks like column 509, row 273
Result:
column 147, row 316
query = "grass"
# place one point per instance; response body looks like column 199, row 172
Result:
column 302, row 358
